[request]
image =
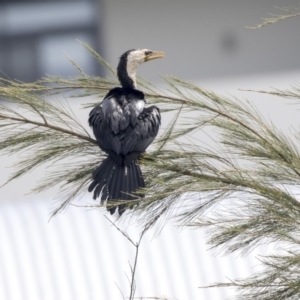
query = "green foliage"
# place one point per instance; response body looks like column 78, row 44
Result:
column 289, row 12
column 254, row 170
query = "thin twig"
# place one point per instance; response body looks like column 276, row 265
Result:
column 267, row 21
column 120, row 230
column 53, row 127
column 136, row 245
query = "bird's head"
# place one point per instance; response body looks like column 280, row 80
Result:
column 129, row 62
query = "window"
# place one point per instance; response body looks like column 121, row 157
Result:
column 34, row 34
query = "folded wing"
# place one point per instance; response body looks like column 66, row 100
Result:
column 108, row 122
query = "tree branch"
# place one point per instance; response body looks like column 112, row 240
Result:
column 53, row 127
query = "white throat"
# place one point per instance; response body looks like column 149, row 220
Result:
column 132, row 65
column 131, row 71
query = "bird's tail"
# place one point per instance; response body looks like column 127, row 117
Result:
column 115, row 181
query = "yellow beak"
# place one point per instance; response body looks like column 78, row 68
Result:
column 154, row 55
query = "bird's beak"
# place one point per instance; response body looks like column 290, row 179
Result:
column 154, row 55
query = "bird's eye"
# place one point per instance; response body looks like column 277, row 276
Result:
column 148, row 52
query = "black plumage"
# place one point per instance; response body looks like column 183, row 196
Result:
column 124, row 128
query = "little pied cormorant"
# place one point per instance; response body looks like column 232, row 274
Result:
column 124, row 128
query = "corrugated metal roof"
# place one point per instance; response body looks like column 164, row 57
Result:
column 79, row 255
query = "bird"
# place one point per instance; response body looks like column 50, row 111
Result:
column 123, row 127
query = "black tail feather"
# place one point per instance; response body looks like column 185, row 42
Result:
column 140, row 177
column 112, row 181
column 107, row 181
column 100, row 178
column 124, row 189
column 135, row 176
column 96, row 172
column 113, row 184
column 118, row 186
column 132, row 183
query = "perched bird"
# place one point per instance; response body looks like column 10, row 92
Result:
column 124, row 128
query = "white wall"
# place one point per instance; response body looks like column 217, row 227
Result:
column 202, row 39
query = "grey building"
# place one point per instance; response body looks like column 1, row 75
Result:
column 34, row 34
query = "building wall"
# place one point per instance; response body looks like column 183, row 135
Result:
column 203, row 39
column 34, row 35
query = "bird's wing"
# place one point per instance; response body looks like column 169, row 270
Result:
column 96, row 116
column 138, row 138
column 124, row 130
column 104, row 119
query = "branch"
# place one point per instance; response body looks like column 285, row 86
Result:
column 53, row 127
column 137, row 246
column 291, row 13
